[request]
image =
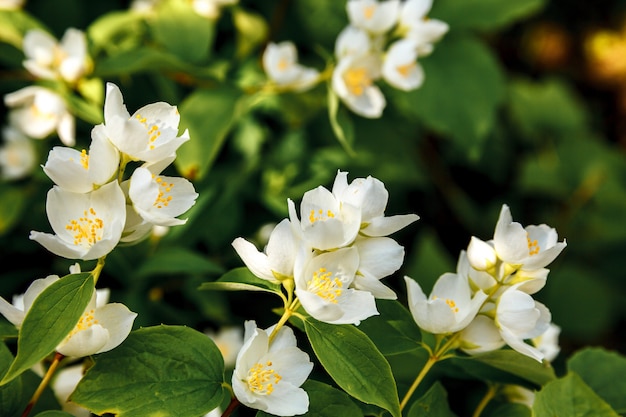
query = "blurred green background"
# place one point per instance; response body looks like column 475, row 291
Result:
column 524, row 103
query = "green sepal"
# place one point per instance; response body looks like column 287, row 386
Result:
column 241, row 279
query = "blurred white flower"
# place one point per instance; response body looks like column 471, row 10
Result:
column 323, row 288
column 211, row 9
column 373, row 16
column 520, row 317
column 529, row 248
column 63, row 384
column 450, row 306
column 81, row 172
column 400, row 67
column 353, row 82
column 229, row 341
column 268, row 376
column 276, row 262
column 159, row 199
column 379, row 257
column 38, row 112
column 87, row 226
column 150, row 135
column 415, row 25
column 46, row 58
column 11, row 4
column 370, row 196
column 18, row 157
column 352, row 41
column 481, row 255
column 548, row 342
column 280, row 62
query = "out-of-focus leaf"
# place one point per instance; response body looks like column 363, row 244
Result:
column 209, row 115
column 141, row 59
column 252, row 30
column 459, row 67
column 175, row 370
column 483, row 14
column 113, row 28
column 88, row 111
column 7, row 329
column 54, row 413
column 603, row 371
column 170, row 260
column 12, row 201
column 509, row 410
column 182, row 31
column 14, row 24
column 570, row 396
column 428, row 261
column 433, row 404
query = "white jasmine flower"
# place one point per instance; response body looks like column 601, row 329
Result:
column 18, row 157
column 11, row 4
column 99, row 329
column 481, row 255
column 353, row 82
column 370, row 196
column 373, row 16
column 229, row 341
column 400, row 67
column 327, row 223
column 150, row 135
column 520, row 317
column 81, row 172
column 277, row 261
column 379, row 257
column 480, row 336
column 280, row 62
column 529, row 248
column 49, row 59
column 87, row 226
column 211, row 9
column 352, row 41
column 548, row 342
column 64, row 383
column 477, row 279
column 323, row 287
column 268, row 376
column 16, row 311
column 415, row 25
column 159, row 199
column 450, row 306
column 39, row 112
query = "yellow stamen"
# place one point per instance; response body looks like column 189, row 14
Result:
column 320, row 216
column 163, row 199
column 324, row 285
column 87, row 229
column 357, row 80
column 262, row 378
column 533, row 246
column 368, row 11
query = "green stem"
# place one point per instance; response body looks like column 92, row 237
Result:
column 286, row 315
column 439, row 355
column 43, row 384
column 491, row 392
column 98, row 269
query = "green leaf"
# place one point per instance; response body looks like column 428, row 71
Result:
column 10, row 394
column 604, row 372
column 52, row 316
column 14, row 24
column 433, row 404
column 252, row 30
column 340, row 121
column 54, row 413
column 12, row 201
column 508, row 361
column 354, row 363
column 182, row 31
column 570, row 396
column 460, row 66
column 172, row 260
column 109, row 29
column 209, row 115
column 483, row 14
column 157, row 371
column 7, row 330
column 240, row 279
column 394, row 330
column 141, row 59
column 509, row 410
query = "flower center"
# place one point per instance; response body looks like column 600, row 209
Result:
column 533, row 246
column 357, row 80
column 283, row 64
column 320, row 215
column 450, row 302
column 368, row 11
column 86, row 321
column 405, row 69
column 324, row 285
column 87, row 229
column 84, row 159
column 262, row 378
column 163, row 199
column 153, row 130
